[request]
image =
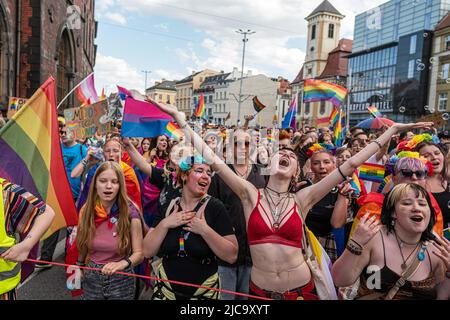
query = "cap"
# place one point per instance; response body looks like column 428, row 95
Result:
column 61, row 121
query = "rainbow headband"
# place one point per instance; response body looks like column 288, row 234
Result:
column 408, row 154
column 319, row 147
column 419, row 138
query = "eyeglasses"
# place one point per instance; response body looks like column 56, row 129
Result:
column 200, row 172
column 61, row 132
column 419, row 174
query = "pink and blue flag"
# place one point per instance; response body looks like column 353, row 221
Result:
column 143, row 119
column 290, row 119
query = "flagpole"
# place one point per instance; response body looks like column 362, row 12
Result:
column 79, row 84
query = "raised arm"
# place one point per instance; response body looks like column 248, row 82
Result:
column 244, row 189
column 311, row 195
column 137, row 158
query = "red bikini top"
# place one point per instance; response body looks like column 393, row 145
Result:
column 290, row 233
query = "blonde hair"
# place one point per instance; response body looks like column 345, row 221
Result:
column 86, row 224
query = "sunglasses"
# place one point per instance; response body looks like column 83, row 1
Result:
column 247, row 143
column 419, row 174
column 61, row 132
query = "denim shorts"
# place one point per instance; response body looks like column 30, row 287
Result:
column 98, row 286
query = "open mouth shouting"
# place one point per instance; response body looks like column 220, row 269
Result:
column 284, row 162
column 417, row 218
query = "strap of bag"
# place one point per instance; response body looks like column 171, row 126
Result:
column 171, row 205
column 402, row 280
column 176, row 201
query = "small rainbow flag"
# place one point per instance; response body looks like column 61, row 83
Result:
column 334, row 117
column 258, row 105
column 14, row 104
column 270, row 138
column 372, row 172
column 174, row 131
column 356, row 184
column 374, row 112
column 200, row 111
column 318, row 90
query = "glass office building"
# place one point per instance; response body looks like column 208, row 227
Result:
column 389, row 66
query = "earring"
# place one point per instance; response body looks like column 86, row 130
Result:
column 393, row 223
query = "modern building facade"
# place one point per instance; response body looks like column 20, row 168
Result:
column 43, row 38
column 163, row 91
column 390, row 64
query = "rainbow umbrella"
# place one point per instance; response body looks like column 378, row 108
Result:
column 375, row 123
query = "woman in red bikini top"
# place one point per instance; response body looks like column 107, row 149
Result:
column 274, row 220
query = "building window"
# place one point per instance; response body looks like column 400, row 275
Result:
column 413, row 44
column 331, row 31
column 447, row 43
column 313, row 32
column 210, row 99
column 427, row 25
column 322, row 107
column 411, row 69
column 307, row 108
column 445, row 70
column 443, row 101
column 160, row 97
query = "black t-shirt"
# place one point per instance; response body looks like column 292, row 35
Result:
column 233, row 204
column 318, row 219
column 167, row 185
column 187, row 269
column 443, row 199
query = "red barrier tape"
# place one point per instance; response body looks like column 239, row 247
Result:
column 151, row 278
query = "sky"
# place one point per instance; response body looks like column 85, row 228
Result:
column 172, row 38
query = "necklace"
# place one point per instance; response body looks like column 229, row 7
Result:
column 276, row 192
column 400, row 245
column 276, row 215
column 245, row 174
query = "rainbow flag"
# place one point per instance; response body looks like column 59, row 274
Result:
column 372, row 172
column 318, row 90
column 30, row 155
column 334, row 117
column 257, row 104
column 270, row 138
column 374, row 112
column 338, row 131
column 357, row 185
column 200, row 110
column 86, row 92
column 14, row 104
column 143, row 119
column 174, row 131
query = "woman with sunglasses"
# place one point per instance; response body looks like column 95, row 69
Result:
column 189, row 234
column 275, row 215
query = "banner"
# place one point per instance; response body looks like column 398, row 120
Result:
column 84, row 122
column 14, row 105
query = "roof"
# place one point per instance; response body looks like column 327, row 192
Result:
column 299, row 77
column 166, row 85
column 444, row 23
column 188, row 78
column 216, row 78
column 327, row 7
column 337, row 62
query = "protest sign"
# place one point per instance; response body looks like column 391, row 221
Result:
column 14, row 105
column 84, row 122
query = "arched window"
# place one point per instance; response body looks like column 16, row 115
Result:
column 65, row 70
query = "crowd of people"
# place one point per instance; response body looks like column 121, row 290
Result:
column 237, row 209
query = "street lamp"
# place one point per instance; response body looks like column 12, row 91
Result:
column 147, row 72
column 245, row 40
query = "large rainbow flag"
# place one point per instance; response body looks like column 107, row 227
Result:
column 86, row 91
column 318, row 90
column 30, row 155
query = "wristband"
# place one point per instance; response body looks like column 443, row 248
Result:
column 340, row 171
column 84, row 162
column 128, row 261
column 354, row 247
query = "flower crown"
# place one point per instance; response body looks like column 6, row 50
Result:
column 390, row 165
column 419, row 138
column 186, row 163
column 320, row 147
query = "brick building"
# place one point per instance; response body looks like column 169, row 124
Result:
column 42, row 38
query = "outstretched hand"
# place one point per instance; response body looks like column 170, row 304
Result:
column 402, row 127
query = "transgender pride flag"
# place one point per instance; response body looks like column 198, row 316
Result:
column 86, row 92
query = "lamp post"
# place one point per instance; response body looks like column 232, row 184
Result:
column 245, row 40
column 147, row 72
